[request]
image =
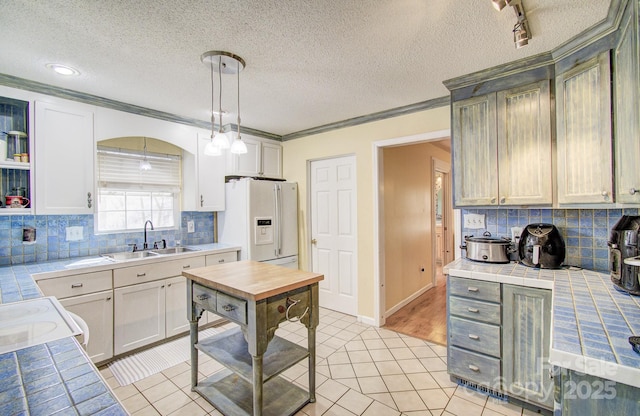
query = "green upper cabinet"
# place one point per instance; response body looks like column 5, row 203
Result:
column 475, row 153
column 502, row 147
column 583, row 111
column 627, row 108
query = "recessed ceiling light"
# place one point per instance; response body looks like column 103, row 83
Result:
column 63, row 69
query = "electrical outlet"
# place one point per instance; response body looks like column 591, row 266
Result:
column 74, row 233
column 191, row 226
column 474, row 221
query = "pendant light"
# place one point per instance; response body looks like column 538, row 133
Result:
column 222, row 62
column 144, row 163
column 238, row 147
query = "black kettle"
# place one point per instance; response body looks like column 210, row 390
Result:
column 541, row 246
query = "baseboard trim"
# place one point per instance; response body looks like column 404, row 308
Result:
column 408, row 300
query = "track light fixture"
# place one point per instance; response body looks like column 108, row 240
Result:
column 521, row 32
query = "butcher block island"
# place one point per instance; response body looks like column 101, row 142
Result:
column 257, row 297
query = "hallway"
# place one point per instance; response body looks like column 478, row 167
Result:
column 426, row 316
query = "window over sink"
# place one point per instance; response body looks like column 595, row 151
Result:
column 128, row 194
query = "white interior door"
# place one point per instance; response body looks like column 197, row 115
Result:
column 333, row 232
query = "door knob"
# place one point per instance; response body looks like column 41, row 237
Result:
column 314, row 241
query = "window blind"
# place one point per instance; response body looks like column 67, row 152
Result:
column 121, row 169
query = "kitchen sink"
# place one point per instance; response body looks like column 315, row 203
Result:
column 172, row 250
column 131, row 255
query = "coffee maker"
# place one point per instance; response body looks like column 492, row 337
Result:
column 623, row 245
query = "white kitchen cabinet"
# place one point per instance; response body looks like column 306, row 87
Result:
column 502, row 148
column 263, row 159
column 150, row 302
column 176, row 306
column 584, row 155
column 64, row 159
column 97, row 311
column 626, row 108
column 90, row 296
column 210, row 179
column 139, row 315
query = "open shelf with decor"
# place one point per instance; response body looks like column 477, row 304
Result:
column 15, row 157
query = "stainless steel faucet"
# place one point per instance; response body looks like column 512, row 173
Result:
column 146, row 245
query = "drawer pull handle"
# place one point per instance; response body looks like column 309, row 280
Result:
column 141, row 275
column 203, row 297
column 473, row 310
column 186, row 266
column 474, row 368
column 472, row 289
column 221, row 261
column 108, row 299
column 228, row 308
column 76, row 285
column 475, row 337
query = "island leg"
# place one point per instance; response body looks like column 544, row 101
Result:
column 193, row 335
column 257, row 384
column 311, row 331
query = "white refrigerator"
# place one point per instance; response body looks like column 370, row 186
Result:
column 261, row 217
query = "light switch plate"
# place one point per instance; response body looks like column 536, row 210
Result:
column 191, row 227
column 74, row 233
column 474, row 221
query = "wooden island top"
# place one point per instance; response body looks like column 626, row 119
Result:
column 251, row 279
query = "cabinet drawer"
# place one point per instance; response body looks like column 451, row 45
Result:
column 476, row 336
column 219, row 258
column 475, row 289
column 79, row 284
column 159, row 269
column 233, row 308
column 474, row 367
column 475, row 309
column 205, row 297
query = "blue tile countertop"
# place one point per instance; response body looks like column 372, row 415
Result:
column 56, row 377
column 591, row 320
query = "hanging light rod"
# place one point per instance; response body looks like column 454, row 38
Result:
column 223, row 62
column 521, row 32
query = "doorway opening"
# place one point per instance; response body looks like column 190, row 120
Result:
column 440, row 235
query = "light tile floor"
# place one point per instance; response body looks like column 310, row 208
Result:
column 361, row 370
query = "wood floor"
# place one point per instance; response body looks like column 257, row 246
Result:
column 425, row 317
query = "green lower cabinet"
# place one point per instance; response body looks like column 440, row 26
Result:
column 526, row 323
column 580, row 394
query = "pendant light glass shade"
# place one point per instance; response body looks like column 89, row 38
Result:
column 212, row 150
column 238, row 147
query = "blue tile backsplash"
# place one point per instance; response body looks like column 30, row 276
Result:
column 585, row 231
column 51, row 241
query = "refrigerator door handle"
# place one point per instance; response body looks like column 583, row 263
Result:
column 278, row 227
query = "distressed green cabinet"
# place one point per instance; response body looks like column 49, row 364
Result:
column 583, row 110
column 499, row 338
column 493, row 138
column 626, row 108
column 581, row 394
column 526, row 323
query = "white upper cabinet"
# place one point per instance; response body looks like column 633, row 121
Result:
column 210, row 174
column 627, row 109
column 64, row 159
column 263, row 159
column 502, row 148
column 583, row 109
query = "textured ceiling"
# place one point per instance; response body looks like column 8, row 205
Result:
column 309, row 63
